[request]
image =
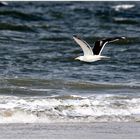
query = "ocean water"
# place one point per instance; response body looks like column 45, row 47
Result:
column 41, row 82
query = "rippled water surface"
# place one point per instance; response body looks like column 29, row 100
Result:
column 41, row 81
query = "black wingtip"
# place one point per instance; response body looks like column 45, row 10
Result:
column 75, row 36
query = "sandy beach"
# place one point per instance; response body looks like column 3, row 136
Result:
column 70, row 130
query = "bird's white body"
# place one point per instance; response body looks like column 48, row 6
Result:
column 91, row 58
column 92, row 55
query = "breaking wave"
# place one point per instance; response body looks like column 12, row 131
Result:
column 72, row 108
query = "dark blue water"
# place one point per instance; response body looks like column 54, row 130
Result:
column 38, row 73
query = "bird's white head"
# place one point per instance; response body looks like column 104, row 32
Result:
column 79, row 58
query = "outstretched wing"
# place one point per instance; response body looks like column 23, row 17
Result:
column 99, row 45
column 84, row 45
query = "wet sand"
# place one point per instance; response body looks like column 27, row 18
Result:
column 70, row 130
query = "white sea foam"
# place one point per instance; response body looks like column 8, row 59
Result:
column 123, row 7
column 96, row 108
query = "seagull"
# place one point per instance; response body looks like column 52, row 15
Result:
column 92, row 55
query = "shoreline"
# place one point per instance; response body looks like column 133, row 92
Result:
column 114, row 130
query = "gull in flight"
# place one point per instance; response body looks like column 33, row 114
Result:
column 92, row 55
